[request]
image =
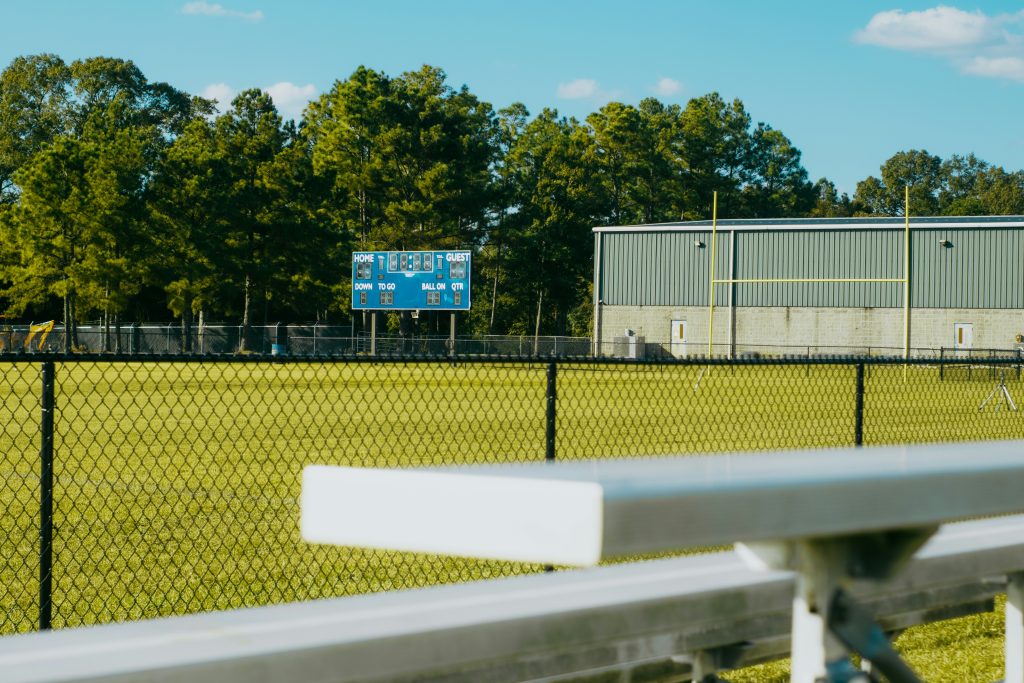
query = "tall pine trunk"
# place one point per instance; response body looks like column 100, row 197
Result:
column 494, row 290
column 186, row 325
column 246, row 315
column 536, row 329
column 74, row 322
column 202, row 331
column 106, row 319
column 70, row 329
column 67, row 323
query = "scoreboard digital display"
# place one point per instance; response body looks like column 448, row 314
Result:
column 410, row 280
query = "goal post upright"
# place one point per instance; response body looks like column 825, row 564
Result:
column 906, row 277
column 712, row 282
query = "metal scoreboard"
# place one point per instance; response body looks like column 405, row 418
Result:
column 410, row 280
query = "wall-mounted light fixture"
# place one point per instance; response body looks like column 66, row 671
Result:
column 698, row 244
column 945, row 243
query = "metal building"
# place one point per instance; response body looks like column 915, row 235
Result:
column 815, row 286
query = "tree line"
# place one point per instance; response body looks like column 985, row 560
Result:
column 126, row 199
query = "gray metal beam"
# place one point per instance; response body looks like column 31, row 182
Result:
column 644, row 615
column 576, row 513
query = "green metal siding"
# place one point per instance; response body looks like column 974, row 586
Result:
column 660, row 268
column 983, row 267
column 820, row 254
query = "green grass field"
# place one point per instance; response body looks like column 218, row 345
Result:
column 177, row 484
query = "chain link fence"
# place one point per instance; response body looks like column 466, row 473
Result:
column 135, row 487
column 312, row 339
column 316, row 339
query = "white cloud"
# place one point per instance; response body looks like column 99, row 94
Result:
column 668, row 87
column 580, row 89
column 290, row 99
column 1010, row 68
column 222, row 92
column 938, row 28
column 975, row 43
column 217, row 10
column 587, row 89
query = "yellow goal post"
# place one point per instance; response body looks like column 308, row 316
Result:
column 905, row 280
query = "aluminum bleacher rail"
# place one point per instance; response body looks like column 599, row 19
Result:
column 665, row 620
column 832, row 516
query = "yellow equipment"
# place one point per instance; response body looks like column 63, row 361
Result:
column 42, row 329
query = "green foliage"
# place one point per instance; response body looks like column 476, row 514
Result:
column 408, row 159
column 122, row 195
column 189, row 201
column 959, row 186
column 35, row 95
column 715, row 147
column 50, row 224
column 916, row 169
column 78, row 146
column 555, row 200
column 777, row 185
column 636, row 150
column 827, row 201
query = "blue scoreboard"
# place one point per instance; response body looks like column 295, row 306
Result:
column 410, row 280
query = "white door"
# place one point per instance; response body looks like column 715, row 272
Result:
column 963, row 336
column 677, row 338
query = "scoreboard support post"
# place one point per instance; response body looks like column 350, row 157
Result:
column 373, row 333
column 451, row 335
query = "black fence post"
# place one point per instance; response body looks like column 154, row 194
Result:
column 552, row 395
column 46, row 500
column 858, row 411
column 549, row 454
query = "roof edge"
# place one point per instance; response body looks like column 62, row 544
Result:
column 860, row 223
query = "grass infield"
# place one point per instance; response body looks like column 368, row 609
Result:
column 176, row 485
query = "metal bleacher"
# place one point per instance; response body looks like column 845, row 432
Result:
column 835, row 548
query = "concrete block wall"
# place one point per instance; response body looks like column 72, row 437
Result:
column 786, row 329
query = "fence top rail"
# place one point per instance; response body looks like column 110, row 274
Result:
column 1011, row 360
column 576, row 513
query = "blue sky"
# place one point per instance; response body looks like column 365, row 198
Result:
column 850, row 83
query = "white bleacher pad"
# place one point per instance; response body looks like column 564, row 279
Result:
column 497, row 517
column 577, row 512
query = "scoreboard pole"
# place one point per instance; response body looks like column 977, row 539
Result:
column 373, row 333
column 451, row 336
